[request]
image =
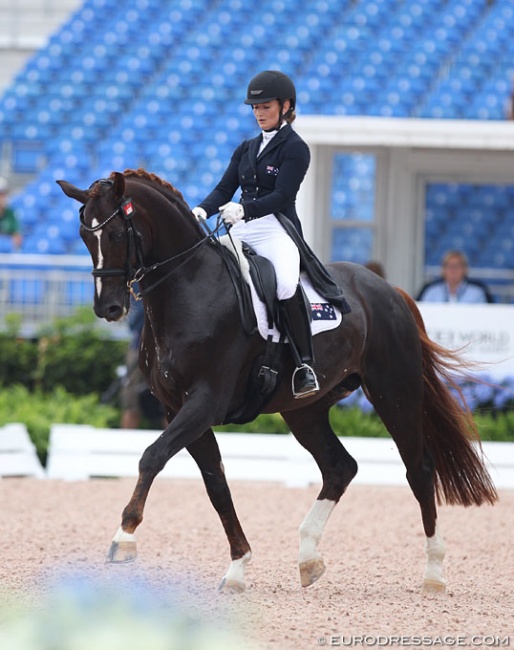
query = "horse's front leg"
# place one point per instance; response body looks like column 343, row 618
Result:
column 188, row 424
column 206, row 453
column 123, row 546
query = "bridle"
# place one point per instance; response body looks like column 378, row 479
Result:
column 126, row 210
column 134, row 274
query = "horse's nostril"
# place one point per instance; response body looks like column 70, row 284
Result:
column 115, row 310
column 113, row 313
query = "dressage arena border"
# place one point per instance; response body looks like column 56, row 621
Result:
column 18, row 455
column 80, row 452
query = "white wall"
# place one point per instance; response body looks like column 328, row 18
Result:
column 410, row 153
column 25, row 26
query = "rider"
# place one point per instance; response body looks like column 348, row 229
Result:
column 269, row 169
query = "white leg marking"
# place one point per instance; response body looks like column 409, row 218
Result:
column 435, row 555
column 122, row 536
column 312, row 528
column 98, row 235
column 234, row 580
column 236, row 570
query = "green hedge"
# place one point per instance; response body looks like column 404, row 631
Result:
column 72, row 352
column 353, row 422
column 38, row 411
column 345, row 422
column 61, row 375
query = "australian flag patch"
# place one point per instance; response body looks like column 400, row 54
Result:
column 322, row 311
column 272, row 171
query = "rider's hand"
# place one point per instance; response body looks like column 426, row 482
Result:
column 231, row 212
column 199, row 213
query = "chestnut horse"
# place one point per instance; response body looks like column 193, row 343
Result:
column 197, row 358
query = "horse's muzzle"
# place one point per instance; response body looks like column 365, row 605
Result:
column 111, row 313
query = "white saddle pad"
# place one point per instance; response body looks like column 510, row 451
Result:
column 324, row 316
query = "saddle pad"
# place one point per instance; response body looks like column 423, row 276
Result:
column 324, row 316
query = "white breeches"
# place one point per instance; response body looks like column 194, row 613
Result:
column 267, row 237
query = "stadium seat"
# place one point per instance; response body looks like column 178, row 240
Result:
column 141, row 84
column 6, row 244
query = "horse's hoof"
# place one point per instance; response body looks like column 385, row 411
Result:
column 121, row 552
column 433, row 587
column 311, row 571
column 231, row 587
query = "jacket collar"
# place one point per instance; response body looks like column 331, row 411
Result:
column 282, row 135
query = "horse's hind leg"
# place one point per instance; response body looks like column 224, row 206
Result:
column 206, row 453
column 402, row 416
column 311, row 427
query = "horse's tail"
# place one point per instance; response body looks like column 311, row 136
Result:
column 449, row 430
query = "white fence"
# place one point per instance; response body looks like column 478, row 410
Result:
column 17, row 453
column 79, row 452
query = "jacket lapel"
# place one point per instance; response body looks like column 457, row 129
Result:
column 282, row 135
column 253, row 148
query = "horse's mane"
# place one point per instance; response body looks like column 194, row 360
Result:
column 149, row 176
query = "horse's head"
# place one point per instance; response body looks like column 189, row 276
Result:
column 107, row 230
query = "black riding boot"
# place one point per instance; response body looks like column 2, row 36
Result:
column 295, row 322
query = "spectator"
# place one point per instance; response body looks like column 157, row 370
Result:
column 137, row 401
column 454, row 284
column 9, row 226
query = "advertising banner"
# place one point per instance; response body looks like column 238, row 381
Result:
column 484, row 333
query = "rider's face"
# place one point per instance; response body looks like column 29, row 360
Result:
column 267, row 114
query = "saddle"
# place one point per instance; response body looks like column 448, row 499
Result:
column 267, row 368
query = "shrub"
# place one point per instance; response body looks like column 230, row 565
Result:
column 39, row 411
column 72, row 352
column 19, row 355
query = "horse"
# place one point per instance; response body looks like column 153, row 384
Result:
column 197, row 358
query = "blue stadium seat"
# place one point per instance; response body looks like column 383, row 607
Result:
column 6, row 244
column 144, row 87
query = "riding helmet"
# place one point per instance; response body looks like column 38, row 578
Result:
column 269, row 85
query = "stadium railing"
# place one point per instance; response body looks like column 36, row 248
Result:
column 40, row 288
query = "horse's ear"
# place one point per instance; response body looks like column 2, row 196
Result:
column 118, row 184
column 73, row 192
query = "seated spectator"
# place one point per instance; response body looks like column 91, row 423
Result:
column 454, row 284
column 9, row 226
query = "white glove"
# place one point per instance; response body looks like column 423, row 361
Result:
column 231, row 212
column 199, row 213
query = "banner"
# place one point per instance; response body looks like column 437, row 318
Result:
column 484, row 333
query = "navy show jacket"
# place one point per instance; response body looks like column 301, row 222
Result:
column 269, row 181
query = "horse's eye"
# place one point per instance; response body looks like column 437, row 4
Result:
column 117, row 236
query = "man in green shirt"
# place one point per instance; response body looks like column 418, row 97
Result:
column 8, row 222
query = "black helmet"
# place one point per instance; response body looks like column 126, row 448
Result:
column 269, row 85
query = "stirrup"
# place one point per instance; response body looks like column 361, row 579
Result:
column 310, row 386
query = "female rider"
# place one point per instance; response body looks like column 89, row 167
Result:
column 269, row 169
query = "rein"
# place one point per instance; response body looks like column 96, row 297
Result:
column 126, row 210
column 142, row 272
